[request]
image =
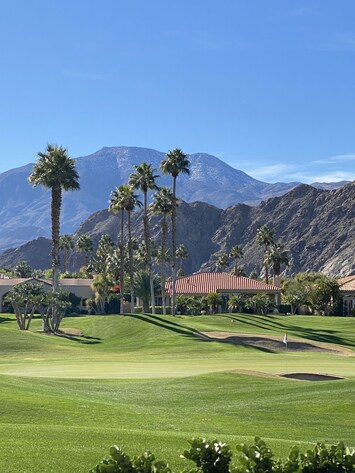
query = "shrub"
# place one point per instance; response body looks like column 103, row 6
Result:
column 215, row 457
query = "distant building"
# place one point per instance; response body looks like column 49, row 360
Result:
column 200, row 284
column 347, row 291
column 80, row 287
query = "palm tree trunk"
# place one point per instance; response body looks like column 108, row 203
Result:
column 162, row 262
column 235, row 267
column 149, row 259
column 55, row 215
column 122, row 264
column 173, row 256
column 130, row 256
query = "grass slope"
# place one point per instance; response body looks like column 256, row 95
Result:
column 147, row 383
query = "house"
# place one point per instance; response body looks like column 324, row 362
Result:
column 347, row 291
column 80, row 287
column 200, row 284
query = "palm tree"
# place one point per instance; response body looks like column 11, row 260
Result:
column 277, row 255
column 163, row 204
column 144, row 179
column 132, row 201
column 85, row 246
column 55, row 170
column 222, row 261
column 236, row 253
column 117, row 203
column 181, row 254
column 66, row 244
column 175, row 163
column 265, row 238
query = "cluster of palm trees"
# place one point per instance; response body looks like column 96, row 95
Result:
column 123, row 199
column 55, row 170
column 274, row 252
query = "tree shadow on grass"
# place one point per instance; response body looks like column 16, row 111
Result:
column 314, row 334
column 6, row 319
column 188, row 332
column 84, row 339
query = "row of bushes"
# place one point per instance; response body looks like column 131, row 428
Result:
column 215, row 457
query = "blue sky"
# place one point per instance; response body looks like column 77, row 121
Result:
column 267, row 86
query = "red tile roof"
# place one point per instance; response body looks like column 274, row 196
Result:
column 347, row 284
column 203, row 283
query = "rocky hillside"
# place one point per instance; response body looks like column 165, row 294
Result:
column 25, row 212
column 316, row 226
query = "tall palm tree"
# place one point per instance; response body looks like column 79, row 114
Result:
column 144, row 179
column 132, row 202
column 117, row 203
column 163, row 204
column 85, row 246
column 175, row 163
column 55, row 170
column 265, row 238
column 236, row 253
column 277, row 255
column 181, row 254
column 66, row 244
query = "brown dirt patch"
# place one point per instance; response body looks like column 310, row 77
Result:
column 311, row 377
column 74, row 332
column 274, row 343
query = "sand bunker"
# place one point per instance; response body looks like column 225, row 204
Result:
column 311, row 377
column 275, row 344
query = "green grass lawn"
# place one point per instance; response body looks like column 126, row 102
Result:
column 146, row 382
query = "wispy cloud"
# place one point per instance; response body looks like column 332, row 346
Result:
column 274, row 171
column 336, row 176
column 342, row 158
column 332, row 169
column 83, row 75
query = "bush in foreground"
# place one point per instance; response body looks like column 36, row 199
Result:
column 215, row 457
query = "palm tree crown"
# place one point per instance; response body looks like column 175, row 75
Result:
column 175, row 163
column 55, row 170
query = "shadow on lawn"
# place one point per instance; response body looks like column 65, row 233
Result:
column 5, row 319
column 318, row 335
column 86, row 340
column 187, row 331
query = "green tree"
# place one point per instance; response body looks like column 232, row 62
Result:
column 277, row 256
column 222, row 261
column 55, row 170
column 265, row 238
column 102, row 286
column 214, row 300
column 259, row 304
column 23, row 270
column 117, row 204
column 175, row 163
column 294, row 293
column 163, row 202
column 181, row 254
column 144, row 179
column 23, row 298
column 236, row 303
column 85, row 246
column 236, row 253
column 321, row 291
column 66, row 244
column 132, row 202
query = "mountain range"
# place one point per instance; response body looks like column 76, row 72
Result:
column 25, row 211
column 316, row 226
